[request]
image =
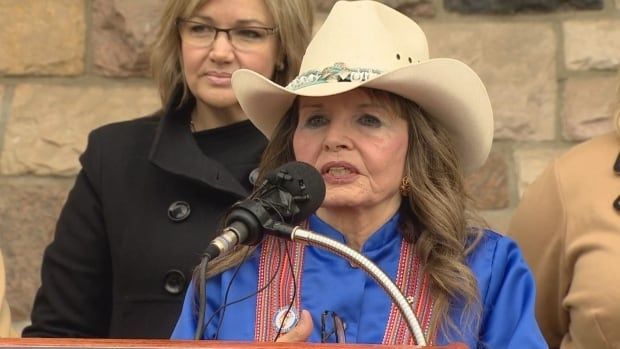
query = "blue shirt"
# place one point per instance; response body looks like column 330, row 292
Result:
column 330, row 283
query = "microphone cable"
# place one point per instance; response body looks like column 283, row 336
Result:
column 201, row 279
column 224, row 305
column 225, row 302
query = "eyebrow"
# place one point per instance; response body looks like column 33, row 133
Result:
column 239, row 22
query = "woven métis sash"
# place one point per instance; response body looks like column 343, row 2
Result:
column 410, row 279
column 414, row 284
column 279, row 293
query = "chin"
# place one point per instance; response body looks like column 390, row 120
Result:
column 218, row 98
column 338, row 203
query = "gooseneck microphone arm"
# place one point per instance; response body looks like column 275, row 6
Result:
column 298, row 234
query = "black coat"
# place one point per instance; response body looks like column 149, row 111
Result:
column 144, row 206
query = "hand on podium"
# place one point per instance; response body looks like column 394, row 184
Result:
column 301, row 332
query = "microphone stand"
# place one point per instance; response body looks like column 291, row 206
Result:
column 298, row 234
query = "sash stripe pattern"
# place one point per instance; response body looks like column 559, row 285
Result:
column 414, row 284
column 410, row 279
column 279, row 293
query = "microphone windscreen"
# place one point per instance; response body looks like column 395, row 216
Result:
column 306, row 181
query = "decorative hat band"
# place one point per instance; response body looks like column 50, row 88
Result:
column 338, row 72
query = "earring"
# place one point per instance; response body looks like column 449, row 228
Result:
column 280, row 66
column 405, row 186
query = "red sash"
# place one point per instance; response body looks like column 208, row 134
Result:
column 410, row 279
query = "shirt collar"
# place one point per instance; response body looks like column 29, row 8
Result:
column 387, row 233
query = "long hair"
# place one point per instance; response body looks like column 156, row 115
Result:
column 293, row 18
column 438, row 217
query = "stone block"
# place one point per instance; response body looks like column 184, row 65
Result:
column 587, row 4
column 512, row 6
column 589, row 104
column 42, row 37
column 500, row 6
column 592, row 44
column 529, row 163
column 122, row 34
column 489, row 185
column 28, row 214
column 48, row 125
column 516, row 62
column 412, row 8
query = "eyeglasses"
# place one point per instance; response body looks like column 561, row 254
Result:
column 332, row 326
column 241, row 38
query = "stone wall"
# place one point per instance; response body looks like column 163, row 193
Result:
column 67, row 66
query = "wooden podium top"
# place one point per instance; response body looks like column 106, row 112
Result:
column 53, row 343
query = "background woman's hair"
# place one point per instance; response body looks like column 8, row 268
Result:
column 293, row 18
column 436, row 215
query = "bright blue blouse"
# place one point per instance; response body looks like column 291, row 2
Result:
column 506, row 287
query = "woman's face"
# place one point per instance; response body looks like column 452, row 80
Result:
column 208, row 69
column 358, row 144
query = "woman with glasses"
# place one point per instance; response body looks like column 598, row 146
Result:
column 152, row 190
column 392, row 134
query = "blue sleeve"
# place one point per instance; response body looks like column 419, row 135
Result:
column 508, row 316
column 186, row 324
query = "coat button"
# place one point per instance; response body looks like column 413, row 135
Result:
column 253, row 176
column 174, row 282
column 179, row 211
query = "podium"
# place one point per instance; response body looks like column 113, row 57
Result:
column 54, row 343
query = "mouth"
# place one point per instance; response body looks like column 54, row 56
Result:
column 218, row 74
column 218, row 78
column 338, row 170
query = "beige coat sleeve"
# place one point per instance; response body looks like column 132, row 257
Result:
column 570, row 234
column 5, row 313
column 539, row 226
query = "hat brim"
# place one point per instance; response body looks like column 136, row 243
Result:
column 447, row 89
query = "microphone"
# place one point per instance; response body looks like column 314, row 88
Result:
column 289, row 194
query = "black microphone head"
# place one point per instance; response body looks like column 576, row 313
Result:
column 304, row 183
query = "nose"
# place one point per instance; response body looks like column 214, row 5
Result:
column 337, row 138
column 222, row 50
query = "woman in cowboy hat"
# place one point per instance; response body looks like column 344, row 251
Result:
column 392, row 132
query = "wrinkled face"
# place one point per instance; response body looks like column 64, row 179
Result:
column 208, row 68
column 358, row 144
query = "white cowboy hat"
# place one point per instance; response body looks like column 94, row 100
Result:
column 366, row 43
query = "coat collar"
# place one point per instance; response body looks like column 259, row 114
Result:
column 175, row 150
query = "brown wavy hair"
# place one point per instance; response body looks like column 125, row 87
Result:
column 293, row 18
column 436, row 215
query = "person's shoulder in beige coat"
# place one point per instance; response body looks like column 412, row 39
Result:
column 5, row 313
column 568, row 226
